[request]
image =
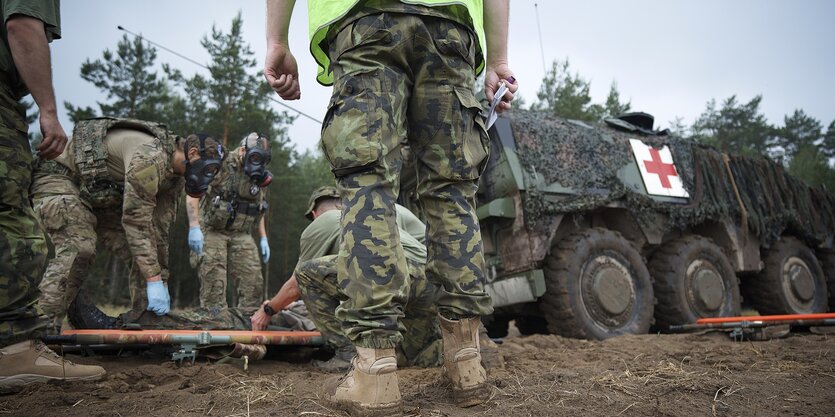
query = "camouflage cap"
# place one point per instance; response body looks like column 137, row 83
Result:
column 321, row 192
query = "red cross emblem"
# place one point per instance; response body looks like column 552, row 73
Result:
column 658, row 167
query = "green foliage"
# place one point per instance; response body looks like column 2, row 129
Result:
column 828, row 145
column 229, row 103
column 127, row 79
column 293, row 182
column 798, row 131
column 613, row 105
column 735, row 127
column 566, row 94
column 810, row 164
column 233, row 101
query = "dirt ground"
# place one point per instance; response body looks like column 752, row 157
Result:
column 648, row 375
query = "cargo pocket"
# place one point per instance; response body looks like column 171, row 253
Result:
column 352, row 128
column 475, row 146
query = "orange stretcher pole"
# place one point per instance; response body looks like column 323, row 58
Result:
column 199, row 337
column 777, row 317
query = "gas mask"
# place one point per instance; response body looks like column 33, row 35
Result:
column 199, row 174
column 255, row 163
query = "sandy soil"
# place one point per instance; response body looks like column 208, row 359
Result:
column 649, row 375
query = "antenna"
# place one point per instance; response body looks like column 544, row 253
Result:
column 120, row 27
column 539, row 29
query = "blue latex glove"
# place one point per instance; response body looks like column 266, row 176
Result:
column 195, row 239
column 265, row 249
column 158, row 299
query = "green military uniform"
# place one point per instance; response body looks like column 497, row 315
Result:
column 317, row 278
column 229, row 212
column 405, row 71
column 23, row 247
column 115, row 183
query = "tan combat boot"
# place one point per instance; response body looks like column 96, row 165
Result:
column 370, row 386
column 31, row 361
column 462, row 361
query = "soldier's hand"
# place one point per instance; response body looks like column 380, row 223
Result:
column 260, row 319
column 158, row 299
column 54, row 138
column 492, row 78
column 265, row 249
column 195, row 239
column 282, row 72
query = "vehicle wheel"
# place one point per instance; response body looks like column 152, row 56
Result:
column 597, row 287
column 792, row 281
column 529, row 325
column 693, row 279
column 827, row 261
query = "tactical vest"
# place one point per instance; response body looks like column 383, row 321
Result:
column 96, row 186
column 231, row 205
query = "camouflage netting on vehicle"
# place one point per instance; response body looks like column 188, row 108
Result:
column 587, row 160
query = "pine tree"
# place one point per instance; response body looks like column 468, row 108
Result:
column 127, row 78
column 736, row 127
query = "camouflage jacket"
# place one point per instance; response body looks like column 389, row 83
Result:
column 233, row 202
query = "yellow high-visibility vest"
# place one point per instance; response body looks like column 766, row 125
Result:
column 324, row 13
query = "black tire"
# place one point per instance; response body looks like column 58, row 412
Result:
column 597, row 286
column 792, row 281
column 693, row 279
column 529, row 325
column 827, row 261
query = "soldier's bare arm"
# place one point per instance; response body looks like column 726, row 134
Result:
column 288, row 293
column 280, row 68
column 30, row 51
column 496, row 14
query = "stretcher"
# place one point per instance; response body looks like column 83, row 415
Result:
column 186, row 342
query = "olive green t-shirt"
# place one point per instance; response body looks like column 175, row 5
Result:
column 48, row 12
column 321, row 237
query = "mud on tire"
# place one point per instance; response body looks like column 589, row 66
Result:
column 597, row 286
column 792, row 281
column 693, row 279
column 827, row 261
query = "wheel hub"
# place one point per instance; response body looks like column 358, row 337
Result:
column 708, row 289
column 611, row 286
column 800, row 279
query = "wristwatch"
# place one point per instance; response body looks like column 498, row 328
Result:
column 269, row 310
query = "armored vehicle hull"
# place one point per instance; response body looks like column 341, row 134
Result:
column 610, row 229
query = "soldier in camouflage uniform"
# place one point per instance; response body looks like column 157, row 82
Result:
column 402, row 71
column 118, row 181
column 25, row 68
column 228, row 213
column 315, row 281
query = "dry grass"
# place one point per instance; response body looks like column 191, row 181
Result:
column 652, row 382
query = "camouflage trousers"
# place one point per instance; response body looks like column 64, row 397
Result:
column 23, row 247
column 322, row 295
column 74, row 229
column 230, row 255
column 401, row 77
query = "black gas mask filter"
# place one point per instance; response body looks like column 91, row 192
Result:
column 199, row 174
column 256, row 159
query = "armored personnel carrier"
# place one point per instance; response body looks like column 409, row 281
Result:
column 594, row 231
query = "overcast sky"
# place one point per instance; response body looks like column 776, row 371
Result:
column 669, row 57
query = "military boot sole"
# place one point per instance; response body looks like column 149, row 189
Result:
column 358, row 410
column 472, row 396
column 14, row 383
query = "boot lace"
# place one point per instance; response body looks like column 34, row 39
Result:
column 42, row 349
